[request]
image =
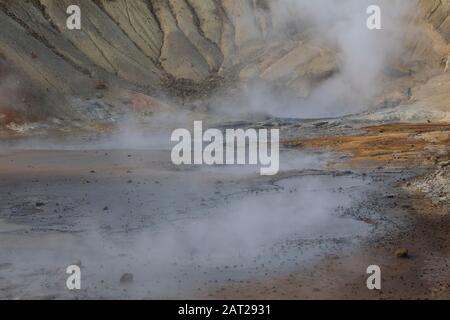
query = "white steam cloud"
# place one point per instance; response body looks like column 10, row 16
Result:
column 362, row 54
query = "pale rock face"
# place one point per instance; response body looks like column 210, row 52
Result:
column 188, row 22
column 138, row 23
column 436, row 12
column 136, row 44
column 179, row 57
column 103, row 41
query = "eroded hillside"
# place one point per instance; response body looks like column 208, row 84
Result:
column 178, row 47
column 363, row 167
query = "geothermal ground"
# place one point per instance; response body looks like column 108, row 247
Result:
column 86, row 176
column 339, row 204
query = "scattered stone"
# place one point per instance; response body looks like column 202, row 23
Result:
column 402, row 253
column 442, row 165
column 4, row 266
column 106, row 208
column 100, row 85
column 126, row 278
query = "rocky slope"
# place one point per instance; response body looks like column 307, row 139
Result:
column 152, row 46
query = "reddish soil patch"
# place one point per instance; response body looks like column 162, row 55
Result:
column 391, row 143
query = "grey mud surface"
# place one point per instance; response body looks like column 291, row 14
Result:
column 179, row 231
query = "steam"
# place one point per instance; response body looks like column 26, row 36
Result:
column 195, row 223
column 362, row 55
column 10, row 88
column 17, row 96
column 175, row 230
column 248, row 233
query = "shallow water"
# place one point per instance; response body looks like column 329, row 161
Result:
column 179, row 232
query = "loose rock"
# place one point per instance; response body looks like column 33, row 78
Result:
column 402, row 253
column 126, row 278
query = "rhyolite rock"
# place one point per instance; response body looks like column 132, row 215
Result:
column 148, row 45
